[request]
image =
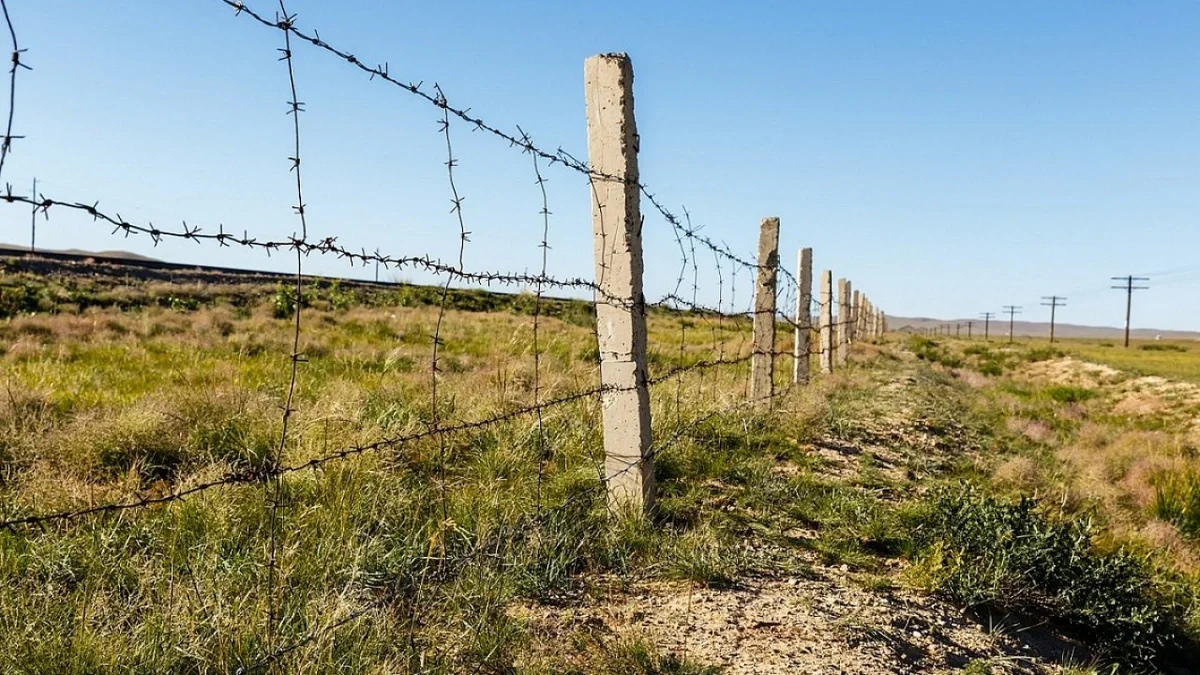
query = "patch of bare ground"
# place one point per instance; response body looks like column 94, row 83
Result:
column 827, row 624
column 1145, row 397
column 1072, row 371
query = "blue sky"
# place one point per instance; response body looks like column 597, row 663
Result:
column 948, row 157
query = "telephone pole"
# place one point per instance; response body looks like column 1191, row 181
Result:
column 1012, row 310
column 969, row 324
column 1055, row 301
column 987, row 322
column 958, row 330
column 1129, row 288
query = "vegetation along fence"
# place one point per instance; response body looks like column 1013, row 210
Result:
column 587, row 421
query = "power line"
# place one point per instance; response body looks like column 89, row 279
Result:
column 1055, row 301
column 1012, row 310
column 987, row 322
column 1129, row 288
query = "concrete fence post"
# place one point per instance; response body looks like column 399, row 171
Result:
column 860, row 312
column 620, row 303
column 803, row 329
column 826, row 328
column 843, row 320
column 854, row 318
column 762, row 360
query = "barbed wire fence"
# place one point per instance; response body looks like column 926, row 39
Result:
column 726, row 346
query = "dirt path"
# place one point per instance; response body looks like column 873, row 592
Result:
column 830, row 619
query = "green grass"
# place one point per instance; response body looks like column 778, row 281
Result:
column 1173, row 360
column 1012, row 557
column 114, row 391
column 1177, row 499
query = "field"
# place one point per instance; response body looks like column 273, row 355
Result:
column 936, row 506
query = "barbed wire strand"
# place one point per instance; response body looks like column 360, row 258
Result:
column 275, row 485
column 544, row 245
column 6, row 146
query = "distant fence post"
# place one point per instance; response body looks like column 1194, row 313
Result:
column 854, row 317
column 620, row 303
column 826, row 329
column 860, row 317
column 803, row 329
column 762, row 361
column 843, row 320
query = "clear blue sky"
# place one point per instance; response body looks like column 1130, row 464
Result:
column 948, row 157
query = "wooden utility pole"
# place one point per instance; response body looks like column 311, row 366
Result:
column 969, row 324
column 1012, row 310
column 1129, row 288
column 1054, row 302
column 987, row 322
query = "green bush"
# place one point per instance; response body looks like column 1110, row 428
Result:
column 1069, row 394
column 19, row 299
column 1157, row 347
column 1043, row 354
column 1177, row 499
column 986, row 553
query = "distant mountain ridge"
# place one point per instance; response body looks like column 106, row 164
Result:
column 999, row 328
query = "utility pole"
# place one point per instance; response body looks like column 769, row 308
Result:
column 1129, row 288
column 33, row 220
column 987, row 321
column 969, row 324
column 958, row 330
column 1012, row 310
column 1055, row 301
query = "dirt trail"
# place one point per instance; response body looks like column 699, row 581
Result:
column 829, row 619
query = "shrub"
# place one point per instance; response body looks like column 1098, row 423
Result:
column 986, row 553
column 1177, row 499
column 992, row 368
column 1157, row 347
column 1043, row 354
column 1068, row 394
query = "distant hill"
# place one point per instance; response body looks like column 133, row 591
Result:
column 113, row 255
column 999, row 328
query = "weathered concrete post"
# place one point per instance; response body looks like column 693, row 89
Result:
column 843, row 321
column 860, row 310
column 762, row 360
column 826, row 328
column 867, row 309
column 854, row 317
column 620, row 303
column 803, row 331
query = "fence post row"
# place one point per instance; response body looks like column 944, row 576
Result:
column 620, row 303
column 762, row 360
column 803, row 329
column 826, row 329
